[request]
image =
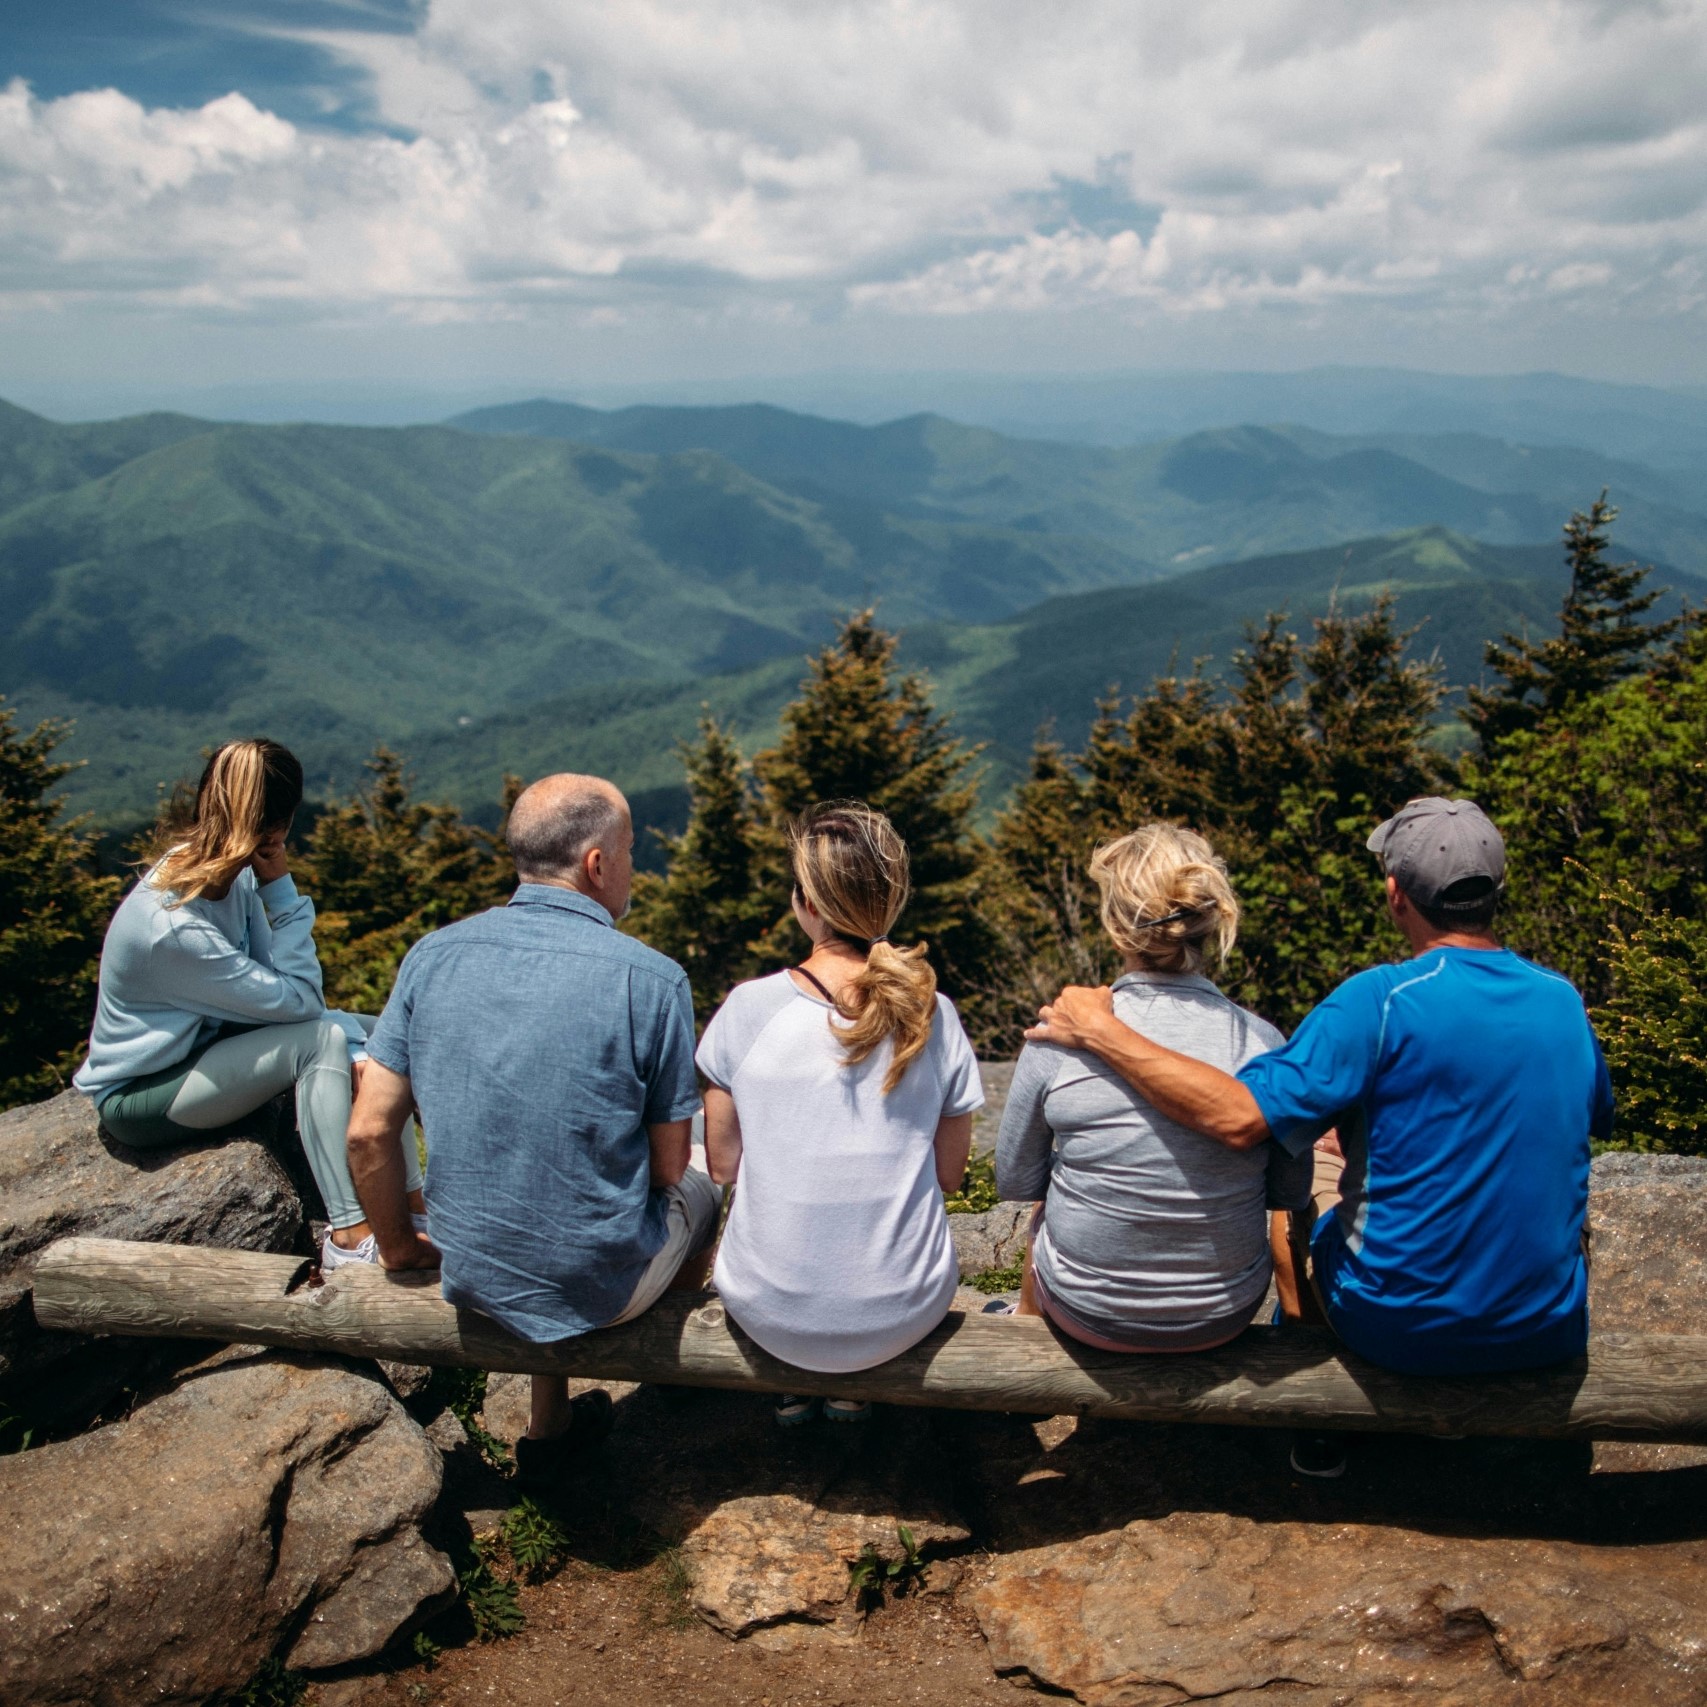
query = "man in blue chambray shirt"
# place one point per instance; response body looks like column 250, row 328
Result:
column 551, row 1058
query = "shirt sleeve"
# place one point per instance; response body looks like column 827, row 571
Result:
column 1025, row 1143
column 388, row 1042
column 1600, row 1115
column 715, row 1057
column 962, row 1085
column 671, row 1090
column 1328, row 1066
column 201, row 972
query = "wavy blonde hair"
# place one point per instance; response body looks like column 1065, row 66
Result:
column 1157, row 870
column 247, row 789
column 851, row 864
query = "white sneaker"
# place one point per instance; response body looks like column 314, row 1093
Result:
column 336, row 1256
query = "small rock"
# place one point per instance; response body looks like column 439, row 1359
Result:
column 993, row 1239
column 446, row 1432
column 409, row 1381
column 759, row 1560
column 165, row 1557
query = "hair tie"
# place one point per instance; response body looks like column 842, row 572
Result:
column 877, row 939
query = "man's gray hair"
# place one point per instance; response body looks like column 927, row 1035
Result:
column 557, row 821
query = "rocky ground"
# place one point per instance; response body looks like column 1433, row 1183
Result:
column 232, row 1507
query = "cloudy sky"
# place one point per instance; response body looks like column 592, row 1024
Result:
column 469, row 192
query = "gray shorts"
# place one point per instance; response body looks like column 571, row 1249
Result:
column 695, row 1205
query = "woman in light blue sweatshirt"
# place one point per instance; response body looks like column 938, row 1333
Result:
column 211, row 1000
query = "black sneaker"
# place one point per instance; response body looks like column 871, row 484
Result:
column 540, row 1463
column 1320, row 1455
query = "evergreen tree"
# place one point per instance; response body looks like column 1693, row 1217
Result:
column 1286, row 769
column 1602, row 639
column 53, row 913
column 710, row 910
column 384, row 869
column 859, row 731
column 1035, row 896
column 1654, row 1027
column 1606, row 799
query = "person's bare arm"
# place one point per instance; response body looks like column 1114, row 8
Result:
column 1188, row 1091
column 375, row 1145
column 672, row 1146
column 953, row 1148
column 722, row 1136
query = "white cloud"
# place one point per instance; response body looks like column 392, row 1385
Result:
column 907, row 157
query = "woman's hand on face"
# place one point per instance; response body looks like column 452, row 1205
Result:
column 271, row 860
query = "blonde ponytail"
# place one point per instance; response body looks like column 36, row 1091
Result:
column 247, row 789
column 852, row 866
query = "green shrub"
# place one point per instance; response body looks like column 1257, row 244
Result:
column 492, row 1601
column 1654, row 1030
column 873, row 1574
column 534, row 1539
column 274, row 1685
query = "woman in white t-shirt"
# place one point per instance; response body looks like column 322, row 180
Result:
column 841, row 1096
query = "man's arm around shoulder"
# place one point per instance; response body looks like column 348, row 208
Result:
column 1185, row 1090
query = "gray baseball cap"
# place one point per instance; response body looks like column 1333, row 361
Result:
column 1430, row 844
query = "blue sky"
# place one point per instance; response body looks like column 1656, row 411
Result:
column 458, row 194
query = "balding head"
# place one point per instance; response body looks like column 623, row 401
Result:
column 558, row 821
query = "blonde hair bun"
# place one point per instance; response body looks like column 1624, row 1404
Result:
column 1166, row 898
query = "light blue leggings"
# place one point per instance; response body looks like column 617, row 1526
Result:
column 234, row 1076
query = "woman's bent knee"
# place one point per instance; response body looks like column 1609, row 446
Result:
column 331, row 1048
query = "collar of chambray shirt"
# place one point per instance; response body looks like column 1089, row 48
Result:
column 570, row 900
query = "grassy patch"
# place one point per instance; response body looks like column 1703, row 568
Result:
column 995, row 1280
column 675, row 1590
column 977, row 1190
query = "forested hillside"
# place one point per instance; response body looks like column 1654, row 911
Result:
column 1048, row 665
column 549, row 585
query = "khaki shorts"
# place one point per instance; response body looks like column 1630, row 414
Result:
column 1325, row 1183
column 695, row 1205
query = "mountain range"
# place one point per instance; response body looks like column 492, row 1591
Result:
column 546, row 584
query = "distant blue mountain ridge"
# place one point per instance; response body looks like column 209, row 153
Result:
column 547, row 584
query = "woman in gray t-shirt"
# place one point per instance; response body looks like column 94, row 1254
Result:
column 1148, row 1236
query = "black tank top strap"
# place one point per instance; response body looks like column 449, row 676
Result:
column 817, row 984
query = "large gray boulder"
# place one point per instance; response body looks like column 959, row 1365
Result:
column 61, row 1175
column 1647, row 1227
column 1647, row 1271
column 1203, row 1606
column 264, row 1504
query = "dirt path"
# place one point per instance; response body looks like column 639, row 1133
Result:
column 596, row 1636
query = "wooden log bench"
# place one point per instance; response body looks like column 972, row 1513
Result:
column 1630, row 1386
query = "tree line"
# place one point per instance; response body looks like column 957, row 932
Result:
column 1587, row 746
